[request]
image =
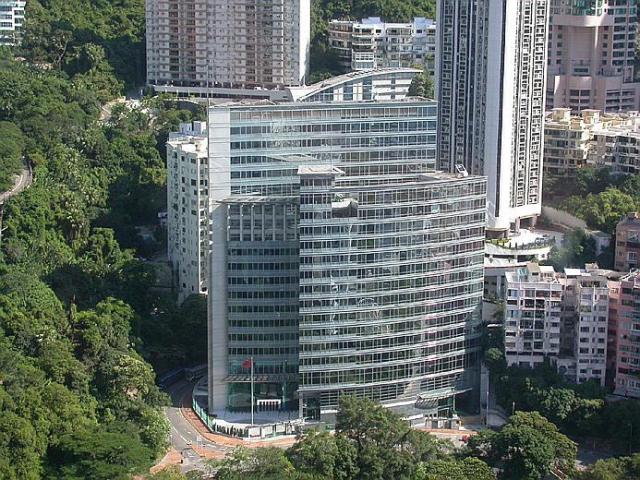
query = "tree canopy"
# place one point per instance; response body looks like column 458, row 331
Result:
column 528, row 447
column 77, row 397
column 596, row 195
column 370, row 442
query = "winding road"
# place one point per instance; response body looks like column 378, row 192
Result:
column 193, row 450
column 22, row 183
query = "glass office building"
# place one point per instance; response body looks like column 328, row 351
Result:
column 390, row 286
column 426, row 229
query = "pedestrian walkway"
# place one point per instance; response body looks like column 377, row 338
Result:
column 203, row 431
column 173, row 457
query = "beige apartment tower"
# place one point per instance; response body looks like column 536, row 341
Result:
column 592, row 54
column 227, row 48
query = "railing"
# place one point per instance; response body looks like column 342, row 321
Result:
column 513, row 245
column 223, row 427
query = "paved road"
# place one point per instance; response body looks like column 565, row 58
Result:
column 22, row 182
column 183, row 435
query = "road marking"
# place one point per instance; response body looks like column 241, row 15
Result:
column 179, row 434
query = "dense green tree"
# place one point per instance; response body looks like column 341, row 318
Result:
column 319, row 454
column 99, row 455
column 622, row 423
column 11, row 149
column 631, row 185
column 528, row 447
column 466, row 469
column 577, row 249
column 386, row 446
column 602, row 211
column 19, row 450
column 625, row 468
column 269, row 463
column 56, row 29
column 174, row 473
column 593, row 180
column 422, row 85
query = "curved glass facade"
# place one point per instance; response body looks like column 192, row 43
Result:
column 391, row 278
column 340, row 262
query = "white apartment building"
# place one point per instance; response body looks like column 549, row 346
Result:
column 560, row 317
column 568, row 140
column 11, row 21
column 618, row 146
column 491, row 71
column 585, row 320
column 372, row 43
column 592, row 54
column 532, row 315
column 227, row 48
column 187, row 217
column 591, row 138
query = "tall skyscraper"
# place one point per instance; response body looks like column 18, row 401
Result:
column 491, row 68
column 592, row 54
column 227, row 48
column 340, row 262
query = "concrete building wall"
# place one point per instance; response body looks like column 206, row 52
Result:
column 591, row 138
column 491, row 72
column 532, row 317
column 11, row 21
column 563, row 318
column 590, row 339
column 627, row 379
column 592, row 55
column 187, row 209
column 628, row 243
column 372, row 43
column 219, row 189
column 255, row 150
column 227, row 47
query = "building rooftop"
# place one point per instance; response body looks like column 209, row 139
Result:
column 301, row 93
column 318, row 105
column 191, row 145
column 631, row 219
column 532, row 273
column 633, row 276
column 319, row 170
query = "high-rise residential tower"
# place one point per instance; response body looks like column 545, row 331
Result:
column 187, row 208
column 491, row 68
column 592, row 55
column 227, row 48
